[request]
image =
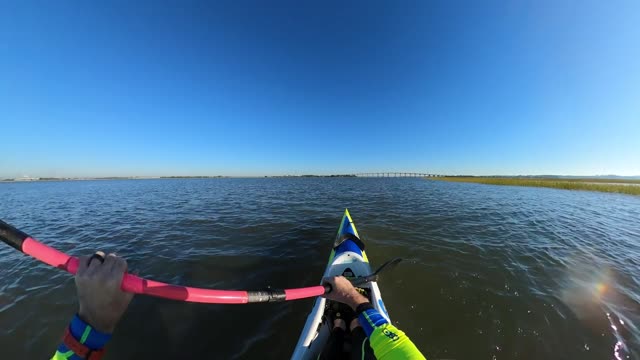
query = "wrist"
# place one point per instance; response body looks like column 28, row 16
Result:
column 94, row 321
column 356, row 299
column 87, row 334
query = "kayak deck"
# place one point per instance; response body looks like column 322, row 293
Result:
column 347, row 258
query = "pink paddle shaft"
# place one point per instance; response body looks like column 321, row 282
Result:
column 137, row 285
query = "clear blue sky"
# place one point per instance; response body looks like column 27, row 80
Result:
column 242, row 88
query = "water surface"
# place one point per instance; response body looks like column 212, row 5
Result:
column 491, row 272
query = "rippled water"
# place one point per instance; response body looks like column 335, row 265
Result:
column 492, row 272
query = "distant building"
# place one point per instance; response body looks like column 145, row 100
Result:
column 26, row 178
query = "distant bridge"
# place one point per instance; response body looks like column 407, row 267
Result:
column 396, row 174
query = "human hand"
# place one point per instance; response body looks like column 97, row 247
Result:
column 343, row 291
column 102, row 302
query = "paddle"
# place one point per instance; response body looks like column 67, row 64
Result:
column 137, row 285
column 360, row 280
column 134, row 284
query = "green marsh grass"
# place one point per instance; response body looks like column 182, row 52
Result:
column 622, row 186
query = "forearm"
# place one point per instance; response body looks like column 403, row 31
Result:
column 387, row 341
column 81, row 341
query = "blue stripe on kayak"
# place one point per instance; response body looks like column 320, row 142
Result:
column 346, row 227
column 348, row 245
column 381, row 305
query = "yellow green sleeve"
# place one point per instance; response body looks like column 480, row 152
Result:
column 62, row 356
column 387, row 341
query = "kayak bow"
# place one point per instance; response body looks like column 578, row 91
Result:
column 137, row 285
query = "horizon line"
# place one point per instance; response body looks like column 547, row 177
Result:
column 52, row 178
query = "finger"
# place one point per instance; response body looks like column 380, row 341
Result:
column 83, row 263
column 109, row 261
column 95, row 264
column 119, row 266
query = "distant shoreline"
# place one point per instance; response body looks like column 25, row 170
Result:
column 617, row 185
column 610, row 184
column 28, row 180
column 47, row 179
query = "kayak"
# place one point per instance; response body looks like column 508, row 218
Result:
column 347, row 258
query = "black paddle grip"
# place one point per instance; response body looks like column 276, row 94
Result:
column 11, row 235
column 327, row 288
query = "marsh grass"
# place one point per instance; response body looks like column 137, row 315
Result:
column 622, row 186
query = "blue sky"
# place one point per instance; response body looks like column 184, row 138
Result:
column 260, row 88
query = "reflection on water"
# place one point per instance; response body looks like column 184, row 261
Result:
column 591, row 293
column 490, row 272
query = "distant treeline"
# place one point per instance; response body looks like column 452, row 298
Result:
column 316, row 176
column 191, row 177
